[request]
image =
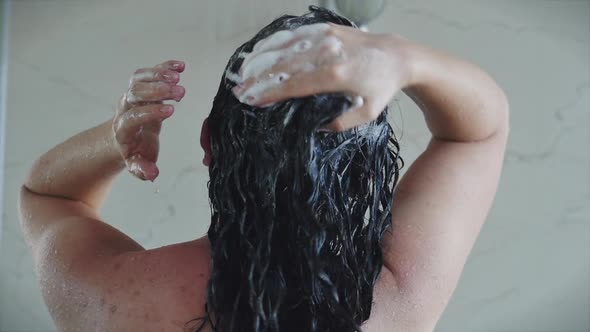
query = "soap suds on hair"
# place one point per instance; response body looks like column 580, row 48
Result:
column 230, row 75
column 275, row 40
column 311, row 29
column 268, row 52
column 252, row 94
column 261, row 63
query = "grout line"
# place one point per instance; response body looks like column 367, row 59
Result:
column 5, row 4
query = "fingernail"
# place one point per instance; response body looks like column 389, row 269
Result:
column 177, row 91
column 167, row 109
column 249, row 100
column 139, row 173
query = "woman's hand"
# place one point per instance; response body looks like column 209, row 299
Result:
column 140, row 113
column 327, row 58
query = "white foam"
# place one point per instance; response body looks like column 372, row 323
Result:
column 302, row 46
column 275, row 40
column 268, row 52
column 144, row 76
column 357, row 102
column 256, row 90
column 259, row 63
column 289, row 115
column 230, row 75
column 311, row 29
column 334, row 44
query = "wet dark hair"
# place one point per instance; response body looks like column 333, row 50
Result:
column 298, row 213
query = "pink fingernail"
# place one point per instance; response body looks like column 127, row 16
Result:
column 177, row 91
column 167, row 109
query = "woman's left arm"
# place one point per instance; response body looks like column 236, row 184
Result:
column 67, row 185
column 80, row 169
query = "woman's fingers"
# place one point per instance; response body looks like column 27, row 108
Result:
column 142, row 168
column 305, row 66
column 141, row 155
column 175, row 65
column 279, row 87
column 280, row 46
column 128, row 124
column 142, row 92
column 359, row 113
column 153, row 85
column 140, row 114
column 154, row 75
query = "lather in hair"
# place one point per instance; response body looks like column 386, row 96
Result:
column 298, row 213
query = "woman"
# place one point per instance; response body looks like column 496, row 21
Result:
column 305, row 233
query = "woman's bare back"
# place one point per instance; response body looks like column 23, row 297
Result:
column 165, row 290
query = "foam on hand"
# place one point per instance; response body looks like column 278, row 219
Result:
column 268, row 52
column 253, row 93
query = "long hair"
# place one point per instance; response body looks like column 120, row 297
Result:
column 298, row 213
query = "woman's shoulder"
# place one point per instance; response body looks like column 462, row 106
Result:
column 163, row 289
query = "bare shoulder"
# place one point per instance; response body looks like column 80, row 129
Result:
column 163, row 289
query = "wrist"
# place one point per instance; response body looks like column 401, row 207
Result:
column 419, row 61
column 410, row 59
column 113, row 151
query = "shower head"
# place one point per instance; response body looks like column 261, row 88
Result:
column 360, row 12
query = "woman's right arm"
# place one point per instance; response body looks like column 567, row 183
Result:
column 443, row 199
column 460, row 102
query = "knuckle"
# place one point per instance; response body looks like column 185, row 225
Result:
column 337, row 73
column 159, row 89
column 131, row 95
column 118, row 125
column 121, row 103
column 330, row 31
column 331, row 46
column 161, row 73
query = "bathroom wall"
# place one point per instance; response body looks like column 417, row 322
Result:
column 530, row 270
column 4, row 21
